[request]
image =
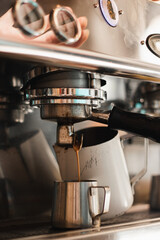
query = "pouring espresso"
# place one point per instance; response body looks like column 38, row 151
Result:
column 77, row 145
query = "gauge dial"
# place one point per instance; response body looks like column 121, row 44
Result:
column 65, row 25
column 29, row 17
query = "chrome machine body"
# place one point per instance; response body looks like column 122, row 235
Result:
column 125, row 37
column 135, row 21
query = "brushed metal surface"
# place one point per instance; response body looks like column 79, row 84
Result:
column 83, row 60
column 76, row 204
column 143, row 229
column 138, row 223
column 138, row 20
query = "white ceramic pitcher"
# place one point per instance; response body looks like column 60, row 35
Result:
column 101, row 159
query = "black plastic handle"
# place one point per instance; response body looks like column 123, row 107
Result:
column 140, row 124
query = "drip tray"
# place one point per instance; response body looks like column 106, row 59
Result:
column 138, row 223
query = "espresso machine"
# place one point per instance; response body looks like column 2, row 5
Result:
column 48, row 90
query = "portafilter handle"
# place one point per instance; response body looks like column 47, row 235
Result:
column 136, row 123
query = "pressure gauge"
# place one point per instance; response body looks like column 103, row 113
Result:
column 29, row 17
column 109, row 11
column 65, row 25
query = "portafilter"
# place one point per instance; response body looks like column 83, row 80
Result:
column 69, row 96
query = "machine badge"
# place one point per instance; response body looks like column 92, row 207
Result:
column 109, row 11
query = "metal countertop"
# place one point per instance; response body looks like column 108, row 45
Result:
column 138, row 223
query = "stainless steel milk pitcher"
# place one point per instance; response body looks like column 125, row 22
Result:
column 76, row 204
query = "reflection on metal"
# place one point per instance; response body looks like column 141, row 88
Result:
column 65, row 101
column 71, row 58
column 147, row 99
column 65, row 25
column 82, row 93
column 145, row 229
column 153, row 44
column 13, row 107
column 29, row 17
column 69, row 96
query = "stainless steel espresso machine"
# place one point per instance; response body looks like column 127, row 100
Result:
column 48, row 90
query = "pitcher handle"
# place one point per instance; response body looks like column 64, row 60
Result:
column 139, row 175
column 105, row 205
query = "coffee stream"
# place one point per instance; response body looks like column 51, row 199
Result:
column 77, row 145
